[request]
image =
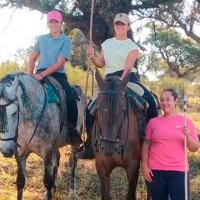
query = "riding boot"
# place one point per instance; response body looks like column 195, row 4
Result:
column 85, row 151
column 72, row 115
column 75, row 138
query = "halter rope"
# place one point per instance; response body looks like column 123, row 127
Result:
column 185, row 147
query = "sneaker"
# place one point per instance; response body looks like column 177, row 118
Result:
column 86, row 153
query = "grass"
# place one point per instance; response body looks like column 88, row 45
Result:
column 88, row 186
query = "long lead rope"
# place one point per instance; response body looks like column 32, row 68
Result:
column 185, row 148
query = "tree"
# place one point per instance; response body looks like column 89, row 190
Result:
column 9, row 67
column 181, row 14
column 76, row 14
column 173, row 54
column 78, row 56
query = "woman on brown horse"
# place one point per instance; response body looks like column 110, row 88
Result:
column 118, row 55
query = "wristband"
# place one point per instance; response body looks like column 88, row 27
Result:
column 41, row 75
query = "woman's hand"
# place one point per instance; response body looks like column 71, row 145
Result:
column 90, row 52
column 147, row 173
column 186, row 131
column 39, row 76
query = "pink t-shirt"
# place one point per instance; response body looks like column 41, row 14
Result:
column 167, row 142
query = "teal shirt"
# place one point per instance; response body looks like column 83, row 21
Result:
column 51, row 48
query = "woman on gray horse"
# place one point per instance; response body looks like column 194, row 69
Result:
column 54, row 50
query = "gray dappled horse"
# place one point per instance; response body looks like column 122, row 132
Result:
column 29, row 122
column 116, row 139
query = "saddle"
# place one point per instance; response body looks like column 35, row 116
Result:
column 134, row 93
column 56, row 94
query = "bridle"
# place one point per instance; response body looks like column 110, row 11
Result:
column 18, row 114
column 119, row 142
column 3, row 107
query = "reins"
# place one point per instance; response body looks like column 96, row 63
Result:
column 18, row 113
column 38, row 122
column 119, row 141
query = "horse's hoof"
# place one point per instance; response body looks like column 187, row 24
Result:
column 46, row 197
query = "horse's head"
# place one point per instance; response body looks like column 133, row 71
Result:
column 9, row 116
column 111, row 110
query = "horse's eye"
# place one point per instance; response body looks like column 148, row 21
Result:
column 14, row 114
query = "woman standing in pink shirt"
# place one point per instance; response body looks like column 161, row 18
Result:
column 163, row 154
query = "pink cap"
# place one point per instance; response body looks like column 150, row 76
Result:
column 54, row 15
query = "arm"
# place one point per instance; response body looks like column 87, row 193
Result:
column 97, row 61
column 192, row 144
column 131, row 59
column 31, row 64
column 55, row 67
column 147, row 173
column 50, row 70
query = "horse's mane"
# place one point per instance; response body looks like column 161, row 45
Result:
column 112, row 84
column 32, row 92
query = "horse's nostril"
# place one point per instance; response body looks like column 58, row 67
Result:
column 8, row 154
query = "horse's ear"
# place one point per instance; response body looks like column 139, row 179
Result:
column 1, row 90
column 15, row 83
column 10, row 91
column 125, row 80
column 99, row 78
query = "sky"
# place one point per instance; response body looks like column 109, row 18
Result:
column 18, row 29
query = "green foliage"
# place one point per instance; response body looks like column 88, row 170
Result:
column 167, row 82
column 79, row 77
column 179, row 55
column 10, row 67
column 78, row 56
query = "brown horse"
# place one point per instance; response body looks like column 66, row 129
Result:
column 115, row 136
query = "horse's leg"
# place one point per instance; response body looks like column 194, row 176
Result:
column 132, row 172
column 20, row 180
column 104, row 176
column 51, row 163
column 73, row 165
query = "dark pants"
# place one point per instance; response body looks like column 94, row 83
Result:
column 72, row 109
column 152, row 110
column 167, row 184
